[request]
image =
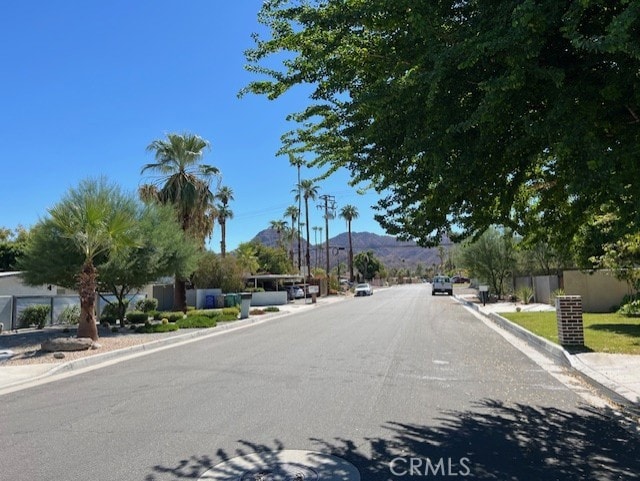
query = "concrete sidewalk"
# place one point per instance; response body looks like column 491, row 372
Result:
column 617, row 376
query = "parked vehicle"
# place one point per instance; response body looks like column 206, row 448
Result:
column 442, row 284
column 460, row 280
column 294, row 292
column 363, row 290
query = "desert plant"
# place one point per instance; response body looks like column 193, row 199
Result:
column 554, row 294
column 525, row 294
column 136, row 317
column 147, row 304
column 149, row 328
column 70, row 315
column 196, row 322
column 36, row 314
column 110, row 312
column 630, row 309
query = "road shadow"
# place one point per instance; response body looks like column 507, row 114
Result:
column 493, row 440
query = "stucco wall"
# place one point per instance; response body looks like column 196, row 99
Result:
column 600, row 291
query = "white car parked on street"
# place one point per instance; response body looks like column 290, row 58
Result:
column 363, row 289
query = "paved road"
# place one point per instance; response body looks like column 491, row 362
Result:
column 386, row 382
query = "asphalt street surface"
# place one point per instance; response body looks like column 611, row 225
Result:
column 401, row 384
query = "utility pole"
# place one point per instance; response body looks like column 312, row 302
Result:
column 329, row 213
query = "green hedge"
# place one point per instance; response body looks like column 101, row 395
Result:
column 197, row 322
column 137, row 317
column 172, row 316
column 205, row 312
column 149, row 328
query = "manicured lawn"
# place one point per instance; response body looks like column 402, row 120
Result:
column 602, row 332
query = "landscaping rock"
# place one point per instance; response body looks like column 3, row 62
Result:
column 58, row 355
column 67, row 344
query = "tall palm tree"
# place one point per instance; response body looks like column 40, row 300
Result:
column 224, row 195
column 279, row 226
column 298, row 163
column 294, row 213
column 307, row 190
column 184, row 182
column 348, row 213
column 224, row 213
column 96, row 219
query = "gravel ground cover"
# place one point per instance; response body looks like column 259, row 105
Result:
column 25, row 344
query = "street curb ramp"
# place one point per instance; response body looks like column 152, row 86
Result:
column 561, row 357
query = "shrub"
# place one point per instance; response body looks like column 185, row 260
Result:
column 171, row 316
column 36, row 314
column 70, row 315
column 256, row 312
column 271, row 309
column 146, row 305
column 110, row 311
column 205, row 312
column 230, row 311
column 554, row 294
column 525, row 294
column 149, row 328
column 165, row 320
column 196, row 322
column 630, row 309
column 137, row 317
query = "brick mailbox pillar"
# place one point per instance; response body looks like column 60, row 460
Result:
column 569, row 315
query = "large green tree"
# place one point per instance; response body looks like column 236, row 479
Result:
column 184, row 182
column 215, row 271
column 491, row 258
column 91, row 223
column 161, row 249
column 466, row 113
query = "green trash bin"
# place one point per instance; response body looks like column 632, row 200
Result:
column 229, row 300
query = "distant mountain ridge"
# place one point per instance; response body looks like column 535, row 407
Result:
column 391, row 252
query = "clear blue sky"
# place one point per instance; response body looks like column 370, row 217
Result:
column 86, row 86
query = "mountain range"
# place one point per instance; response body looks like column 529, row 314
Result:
column 391, row 252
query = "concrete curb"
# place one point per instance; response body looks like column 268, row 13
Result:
column 152, row 346
column 560, row 356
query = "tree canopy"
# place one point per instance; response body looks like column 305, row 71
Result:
column 466, row 114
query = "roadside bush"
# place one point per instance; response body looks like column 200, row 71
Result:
column 110, row 312
column 257, row 312
column 630, row 309
column 271, row 309
column 170, row 316
column 205, row 312
column 36, row 314
column 137, row 317
column 554, row 294
column 230, row 311
column 149, row 328
column 525, row 294
column 196, row 322
column 146, row 305
column 70, row 315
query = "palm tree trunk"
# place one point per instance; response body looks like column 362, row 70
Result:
column 223, row 243
column 308, row 255
column 350, row 253
column 87, row 285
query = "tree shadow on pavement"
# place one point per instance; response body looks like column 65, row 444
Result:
column 493, row 440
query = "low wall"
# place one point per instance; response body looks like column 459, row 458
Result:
column 269, row 298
